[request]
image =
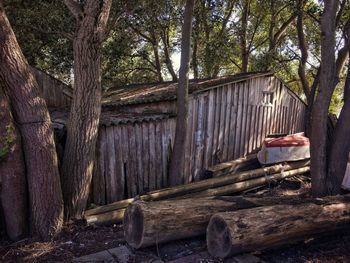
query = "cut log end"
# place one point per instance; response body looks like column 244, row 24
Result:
column 219, row 241
column 134, row 225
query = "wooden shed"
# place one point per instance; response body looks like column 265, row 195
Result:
column 228, row 118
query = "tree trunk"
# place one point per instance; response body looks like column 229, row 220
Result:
column 176, row 170
column 32, row 117
column 82, row 128
column 169, row 64
column 320, row 109
column 13, row 185
column 269, row 227
column 340, row 147
column 157, row 63
column 243, row 36
column 194, row 56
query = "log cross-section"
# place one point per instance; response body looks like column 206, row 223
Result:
column 269, row 227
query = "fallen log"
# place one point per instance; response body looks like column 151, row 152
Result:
column 108, row 218
column 238, row 165
column 151, row 223
column 197, row 186
column 241, row 186
column 269, row 227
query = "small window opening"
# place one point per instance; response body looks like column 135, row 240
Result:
column 267, row 98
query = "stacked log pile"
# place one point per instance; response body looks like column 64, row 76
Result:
column 235, row 222
column 232, row 224
column 248, row 162
column 222, row 185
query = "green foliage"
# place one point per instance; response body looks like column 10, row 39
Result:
column 41, row 29
column 7, row 141
column 137, row 28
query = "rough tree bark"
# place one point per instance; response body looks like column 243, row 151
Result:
column 322, row 101
column 13, row 188
column 247, row 230
column 243, row 36
column 177, row 161
column 302, row 64
column 91, row 20
column 33, row 120
column 340, row 146
column 310, row 91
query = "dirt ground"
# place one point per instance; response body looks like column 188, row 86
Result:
column 77, row 240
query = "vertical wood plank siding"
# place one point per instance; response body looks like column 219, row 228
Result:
column 225, row 122
column 56, row 93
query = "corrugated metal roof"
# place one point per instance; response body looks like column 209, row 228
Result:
column 108, row 118
column 155, row 92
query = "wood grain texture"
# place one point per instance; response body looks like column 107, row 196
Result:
column 269, row 227
column 224, row 123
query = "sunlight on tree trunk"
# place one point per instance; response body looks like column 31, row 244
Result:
column 33, row 120
column 176, row 171
column 323, row 99
column 82, row 128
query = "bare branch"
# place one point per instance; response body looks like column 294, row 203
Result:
column 340, row 12
column 282, row 29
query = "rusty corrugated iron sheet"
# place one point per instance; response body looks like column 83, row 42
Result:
column 155, row 92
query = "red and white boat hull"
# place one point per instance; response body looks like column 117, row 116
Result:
column 289, row 148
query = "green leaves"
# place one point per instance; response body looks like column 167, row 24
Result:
column 7, row 141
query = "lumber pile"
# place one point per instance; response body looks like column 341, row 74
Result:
column 248, row 162
column 223, row 185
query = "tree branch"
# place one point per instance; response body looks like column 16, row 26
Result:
column 282, row 29
column 75, row 8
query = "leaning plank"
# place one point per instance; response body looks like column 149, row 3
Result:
column 199, row 186
column 268, row 227
column 231, row 166
column 249, row 184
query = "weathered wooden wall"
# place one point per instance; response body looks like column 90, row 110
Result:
column 56, row 93
column 225, row 122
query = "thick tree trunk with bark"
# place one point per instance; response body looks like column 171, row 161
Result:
column 33, row 120
column 320, row 109
column 85, row 111
column 177, row 161
column 340, row 147
column 13, row 185
column 269, row 227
